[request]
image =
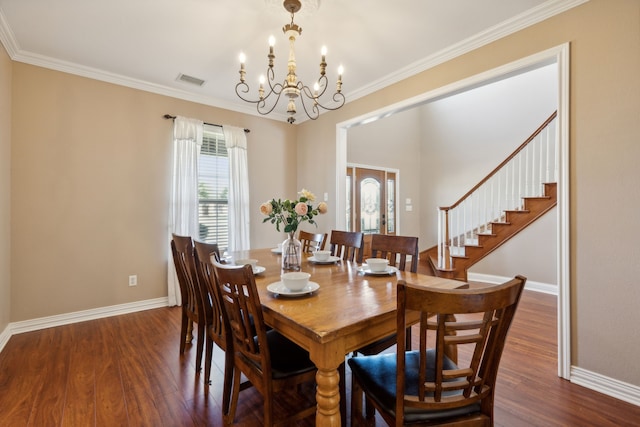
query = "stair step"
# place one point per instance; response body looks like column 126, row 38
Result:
column 536, row 197
column 469, row 247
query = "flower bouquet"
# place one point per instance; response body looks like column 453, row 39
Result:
column 290, row 214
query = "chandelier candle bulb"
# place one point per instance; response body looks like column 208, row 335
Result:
column 323, row 62
column 261, row 89
column 243, row 58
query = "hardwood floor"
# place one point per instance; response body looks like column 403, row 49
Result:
column 126, row 371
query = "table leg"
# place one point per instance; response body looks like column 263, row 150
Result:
column 328, row 398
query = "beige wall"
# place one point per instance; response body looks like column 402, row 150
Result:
column 91, row 173
column 604, row 177
column 5, row 187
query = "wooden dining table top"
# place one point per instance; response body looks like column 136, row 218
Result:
column 348, row 310
column 347, row 300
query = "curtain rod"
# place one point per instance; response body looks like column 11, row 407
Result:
column 169, row 116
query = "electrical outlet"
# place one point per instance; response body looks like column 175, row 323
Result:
column 133, row 280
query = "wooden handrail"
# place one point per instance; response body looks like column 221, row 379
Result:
column 501, row 165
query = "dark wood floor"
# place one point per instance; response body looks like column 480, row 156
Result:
column 125, row 371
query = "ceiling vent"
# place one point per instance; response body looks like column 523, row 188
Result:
column 190, row 79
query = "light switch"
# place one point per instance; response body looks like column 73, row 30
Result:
column 408, row 202
column 409, row 208
column 326, row 197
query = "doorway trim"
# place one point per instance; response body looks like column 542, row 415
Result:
column 560, row 56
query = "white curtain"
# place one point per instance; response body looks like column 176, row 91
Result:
column 183, row 209
column 236, row 142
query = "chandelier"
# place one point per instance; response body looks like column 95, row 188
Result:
column 291, row 87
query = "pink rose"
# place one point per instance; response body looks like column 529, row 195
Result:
column 266, row 208
column 322, row 208
column 301, row 208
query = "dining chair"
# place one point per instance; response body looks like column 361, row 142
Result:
column 192, row 304
column 395, row 249
column 312, row 242
column 204, row 252
column 347, row 245
column 426, row 386
column 270, row 361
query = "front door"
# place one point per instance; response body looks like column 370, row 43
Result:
column 373, row 202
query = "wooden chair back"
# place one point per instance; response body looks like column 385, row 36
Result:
column 476, row 319
column 252, row 347
column 192, row 299
column 347, row 245
column 312, row 242
column 205, row 255
column 242, row 314
column 204, row 273
column 396, row 249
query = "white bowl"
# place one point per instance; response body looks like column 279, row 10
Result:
column 251, row 262
column 377, row 264
column 295, row 281
column 321, row 255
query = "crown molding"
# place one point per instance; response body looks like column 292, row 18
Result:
column 510, row 26
column 7, row 38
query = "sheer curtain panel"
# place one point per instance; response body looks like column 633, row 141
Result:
column 183, row 209
column 236, row 141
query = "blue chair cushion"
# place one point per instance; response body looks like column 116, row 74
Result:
column 377, row 376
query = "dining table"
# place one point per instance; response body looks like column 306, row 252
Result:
column 344, row 307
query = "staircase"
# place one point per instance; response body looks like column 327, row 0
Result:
column 516, row 193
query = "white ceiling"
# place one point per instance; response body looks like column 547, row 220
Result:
column 146, row 44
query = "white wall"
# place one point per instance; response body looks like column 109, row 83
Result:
column 455, row 142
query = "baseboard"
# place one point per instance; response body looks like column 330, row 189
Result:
column 84, row 315
column 4, row 337
column 617, row 389
column 530, row 285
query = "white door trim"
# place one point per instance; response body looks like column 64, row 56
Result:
column 558, row 55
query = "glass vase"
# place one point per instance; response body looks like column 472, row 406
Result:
column 291, row 253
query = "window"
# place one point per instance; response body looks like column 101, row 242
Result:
column 213, row 188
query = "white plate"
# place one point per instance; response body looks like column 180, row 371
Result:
column 258, row 269
column 280, row 289
column 276, row 250
column 389, row 271
column 330, row 260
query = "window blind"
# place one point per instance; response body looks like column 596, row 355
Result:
column 213, row 188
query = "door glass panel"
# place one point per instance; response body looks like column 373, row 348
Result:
column 391, row 206
column 370, row 206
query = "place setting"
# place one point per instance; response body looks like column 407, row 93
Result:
column 377, row 267
column 257, row 269
column 293, row 284
column 323, row 257
column 277, row 250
